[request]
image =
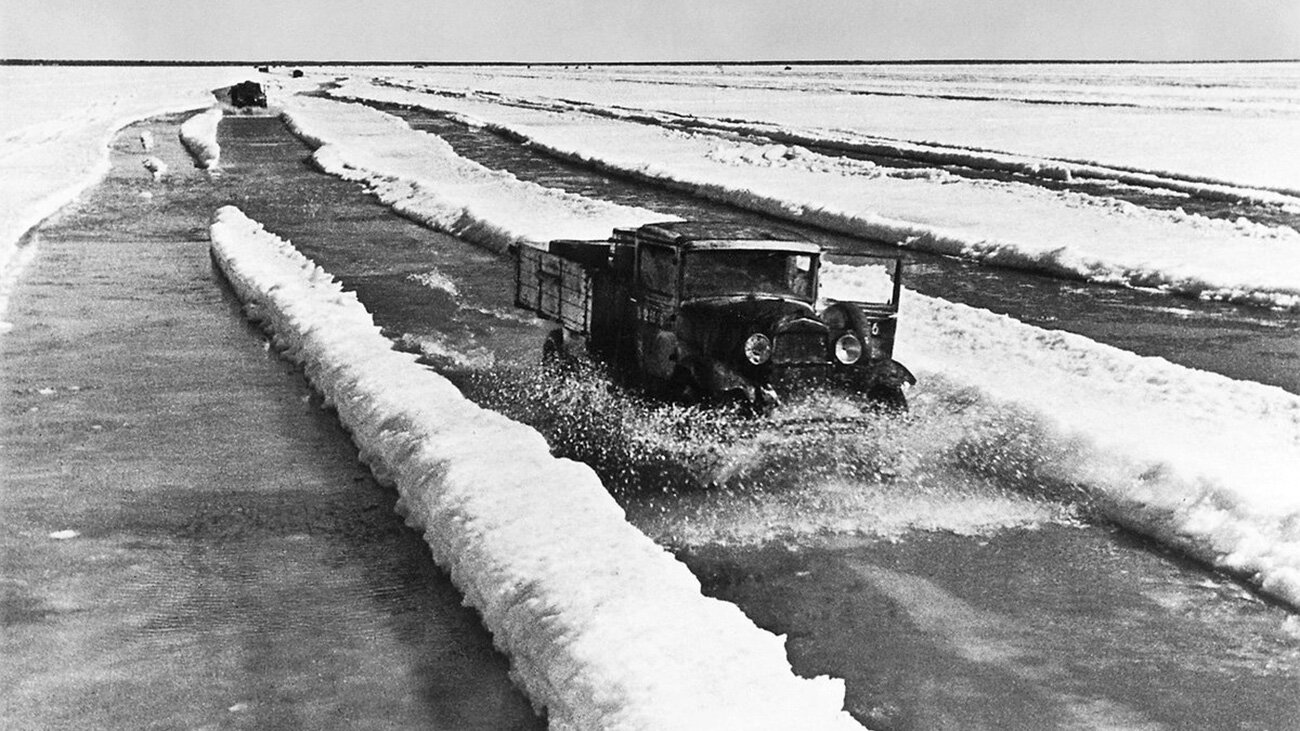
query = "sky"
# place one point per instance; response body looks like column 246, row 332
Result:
column 649, row 30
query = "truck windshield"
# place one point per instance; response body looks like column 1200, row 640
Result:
column 740, row 272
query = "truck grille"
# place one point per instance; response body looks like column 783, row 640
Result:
column 799, row 347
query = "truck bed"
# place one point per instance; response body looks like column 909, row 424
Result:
column 553, row 287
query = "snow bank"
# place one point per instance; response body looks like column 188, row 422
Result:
column 1009, row 224
column 1226, row 122
column 199, row 135
column 421, row 177
column 1197, row 460
column 605, row 630
column 932, row 153
column 56, row 124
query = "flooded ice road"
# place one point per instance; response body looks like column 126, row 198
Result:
column 187, row 539
column 947, row 597
column 1054, row 627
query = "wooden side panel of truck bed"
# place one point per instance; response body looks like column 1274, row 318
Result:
column 553, row 287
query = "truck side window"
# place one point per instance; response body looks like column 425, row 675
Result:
column 798, row 275
column 657, row 269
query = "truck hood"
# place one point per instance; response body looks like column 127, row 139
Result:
column 721, row 324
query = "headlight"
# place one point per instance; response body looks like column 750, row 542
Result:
column 758, row 349
column 848, row 349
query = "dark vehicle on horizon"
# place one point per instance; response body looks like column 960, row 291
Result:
column 714, row 312
column 247, row 94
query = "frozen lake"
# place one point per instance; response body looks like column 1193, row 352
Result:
column 963, row 565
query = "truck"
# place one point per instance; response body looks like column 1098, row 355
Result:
column 247, row 94
column 715, row 312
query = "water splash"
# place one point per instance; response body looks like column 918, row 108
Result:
column 819, row 468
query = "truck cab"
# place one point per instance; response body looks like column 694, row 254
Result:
column 719, row 311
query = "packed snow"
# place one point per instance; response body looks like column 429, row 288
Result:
column 604, row 629
column 1197, row 460
column 199, row 135
column 1191, row 458
column 1233, row 123
column 1013, row 224
column 421, row 177
column 56, row 123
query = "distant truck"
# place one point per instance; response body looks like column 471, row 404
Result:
column 713, row 312
column 247, row 94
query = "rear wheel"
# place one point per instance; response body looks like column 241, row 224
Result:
column 554, row 352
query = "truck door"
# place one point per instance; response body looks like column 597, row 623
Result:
column 656, row 299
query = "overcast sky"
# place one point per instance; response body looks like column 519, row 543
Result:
column 649, row 30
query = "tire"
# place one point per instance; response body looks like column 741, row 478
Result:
column 554, row 354
column 681, row 387
column 888, row 398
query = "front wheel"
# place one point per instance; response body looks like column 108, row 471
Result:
column 681, row 387
column 888, row 398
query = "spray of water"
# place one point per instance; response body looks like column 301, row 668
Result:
column 818, row 468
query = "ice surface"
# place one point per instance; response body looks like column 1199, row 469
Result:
column 605, row 630
column 56, row 123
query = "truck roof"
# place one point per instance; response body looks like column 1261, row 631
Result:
column 721, row 235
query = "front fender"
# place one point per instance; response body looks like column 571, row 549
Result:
column 721, row 380
column 893, row 374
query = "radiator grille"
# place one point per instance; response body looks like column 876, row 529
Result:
column 797, row 347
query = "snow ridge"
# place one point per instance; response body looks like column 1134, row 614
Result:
column 1196, row 460
column 199, row 135
column 421, row 177
column 605, row 630
column 1067, row 235
column 933, row 153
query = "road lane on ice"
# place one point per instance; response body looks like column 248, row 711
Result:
column 992, row 633
column 449, row 298
column 187, row 539
column 55, row 127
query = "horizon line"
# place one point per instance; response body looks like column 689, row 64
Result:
column 773, row 62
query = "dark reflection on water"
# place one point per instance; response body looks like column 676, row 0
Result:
column 1048, row 628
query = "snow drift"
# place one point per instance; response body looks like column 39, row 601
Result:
column 605, row 630
column 199, row 135
column 1196, row 460
column 421, row 177
column 1227, row 122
